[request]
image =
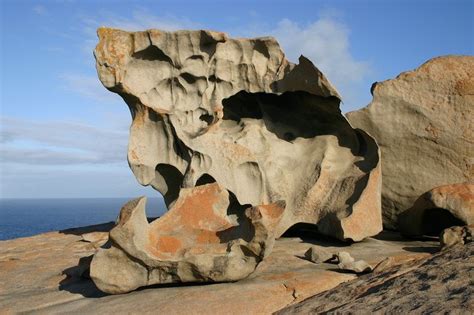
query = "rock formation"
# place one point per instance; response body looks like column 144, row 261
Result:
column 201, row 245
column 438, row 209
column 260, row 138
column 318, row 255
column 423, row 123
column 47, row 274
column 456, row 235
column 348, row 263
column 441, row 284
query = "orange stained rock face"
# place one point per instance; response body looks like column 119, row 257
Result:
column 8, row 265
column 465, row 86
column 159, row 248
column 216, row 249
column 197, row 209
column 280, row 276
column 273, row 211
column 168, row 244
column 207, row 237
column 133, row 155
column 464, row 192
column 354, row 223
column 194, row 220
column 116, row 43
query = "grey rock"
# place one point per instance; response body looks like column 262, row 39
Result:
column 33, row 278
column 344, row 258
column 318, row 254
column 182, row 246
column 441, row 284
column 96, row 238
column 348, row 263
column 437, row 209
column 422, row 121
column 457, row 235
column 209, row 109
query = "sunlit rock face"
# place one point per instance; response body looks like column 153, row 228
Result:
column 232, row 117
column 438, row 209
column 423, row 123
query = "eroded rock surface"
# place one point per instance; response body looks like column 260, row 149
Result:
column 209, row 109
column 46, row 274
column 348, row 263
column 318, row 255
column 422, row 121
column 202, row 245
column 457, row 235
column 441, row 284
column 438, row 209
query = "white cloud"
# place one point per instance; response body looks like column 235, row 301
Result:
column 88, row 86
column 59, row 143
column 40, row 10
column 139, row 20
column 326, row 43
column 63, row 181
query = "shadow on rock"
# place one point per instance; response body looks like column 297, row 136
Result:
column 308, row 233
column 178, row 285
column 104, row 227
column 78, row 281
column 422, row 249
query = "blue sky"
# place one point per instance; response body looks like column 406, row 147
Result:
column 63, row 135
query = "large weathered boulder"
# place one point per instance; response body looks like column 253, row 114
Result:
column 196, row 241
column 423, row 123
column 438, row 209
column 210, row 109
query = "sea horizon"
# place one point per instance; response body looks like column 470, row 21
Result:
column 41, row 198
column 23, row 217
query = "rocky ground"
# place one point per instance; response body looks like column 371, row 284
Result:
column 41, row 274
column 442, row 284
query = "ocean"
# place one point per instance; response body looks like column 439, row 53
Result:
column 26, row 217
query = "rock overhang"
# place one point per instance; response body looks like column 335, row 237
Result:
column 212, row 111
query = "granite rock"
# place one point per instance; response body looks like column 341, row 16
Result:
column 438, row 209
column 457, row 235
column 422, row 121
column 209, row 109
column 318, row 255
column 440, row 284
column 46, row 274
column 203, row 245
column 347, row 263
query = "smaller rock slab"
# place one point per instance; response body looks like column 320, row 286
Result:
column 439, row 208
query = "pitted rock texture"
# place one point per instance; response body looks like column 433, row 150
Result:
column 422, row 121
column 210, row 109
column 438, row 209
column 202, row 245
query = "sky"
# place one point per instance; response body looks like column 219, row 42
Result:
column 63, row 135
